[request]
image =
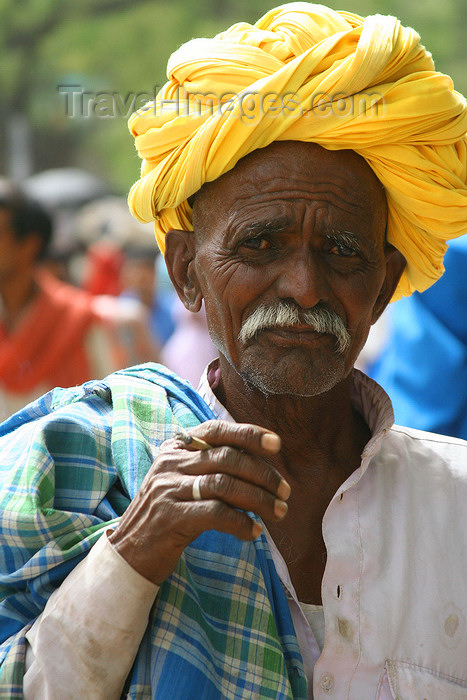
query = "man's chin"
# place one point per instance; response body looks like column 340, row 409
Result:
column 301, row 380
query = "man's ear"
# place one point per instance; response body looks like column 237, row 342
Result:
column 395, row 265
column 179, row 256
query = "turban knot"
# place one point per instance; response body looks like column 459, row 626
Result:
column 304, row 72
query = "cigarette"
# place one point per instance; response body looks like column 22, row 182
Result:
column 191, row 442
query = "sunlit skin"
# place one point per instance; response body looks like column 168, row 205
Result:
column 290, row 222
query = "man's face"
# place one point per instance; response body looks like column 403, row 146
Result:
column 10, row 248
column 291, row 223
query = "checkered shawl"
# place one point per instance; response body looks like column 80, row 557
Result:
column 70, row 463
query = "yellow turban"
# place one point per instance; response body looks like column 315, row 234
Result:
column 307, row 73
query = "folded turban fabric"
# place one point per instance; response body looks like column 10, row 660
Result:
column 308, row 73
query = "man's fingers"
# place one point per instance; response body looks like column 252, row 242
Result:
column 216, row 515
column 230, row 461
column 243, row 436
column 236, row 493
column 226, row 460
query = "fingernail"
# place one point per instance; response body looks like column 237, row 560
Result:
column 280, row 508
column 284, row 490
column 271, row 442
column 256, row 530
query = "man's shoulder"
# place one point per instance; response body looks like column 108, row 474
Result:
column 117, row 423
column 434, row 441
column 149, row 393
column 432, row 452
column 422, row 479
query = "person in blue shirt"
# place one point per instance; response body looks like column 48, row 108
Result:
column 423, row 365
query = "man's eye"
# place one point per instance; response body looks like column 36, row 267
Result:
column 343, row 251
column 257, row 243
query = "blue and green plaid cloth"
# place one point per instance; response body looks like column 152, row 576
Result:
column 70, row 463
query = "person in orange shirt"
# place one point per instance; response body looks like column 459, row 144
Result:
column 50, row 333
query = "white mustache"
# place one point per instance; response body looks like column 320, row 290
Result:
column 320, row 319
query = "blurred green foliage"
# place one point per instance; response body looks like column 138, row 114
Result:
column 122, row 46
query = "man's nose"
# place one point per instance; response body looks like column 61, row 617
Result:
column 302, row 280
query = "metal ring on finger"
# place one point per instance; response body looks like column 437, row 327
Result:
column 195, row 488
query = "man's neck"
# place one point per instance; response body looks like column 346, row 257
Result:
column 323, row 438
column 318, row 433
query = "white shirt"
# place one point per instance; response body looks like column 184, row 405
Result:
column 394, row 593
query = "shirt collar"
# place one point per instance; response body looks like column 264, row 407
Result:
column 209, row 380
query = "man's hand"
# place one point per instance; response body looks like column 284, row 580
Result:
column 164, row 518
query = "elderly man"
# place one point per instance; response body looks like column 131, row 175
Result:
column 272, row 535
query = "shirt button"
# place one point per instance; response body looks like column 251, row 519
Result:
column 327, row 682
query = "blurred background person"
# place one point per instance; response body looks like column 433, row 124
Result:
column 190, row 348
column 186, row 347
column 50, row 334
column 141, row 279
column 63, row 192
column 422, row 363
column 121, row 267
column 107, row 234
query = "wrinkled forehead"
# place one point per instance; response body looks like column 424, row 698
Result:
column 292, row 169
